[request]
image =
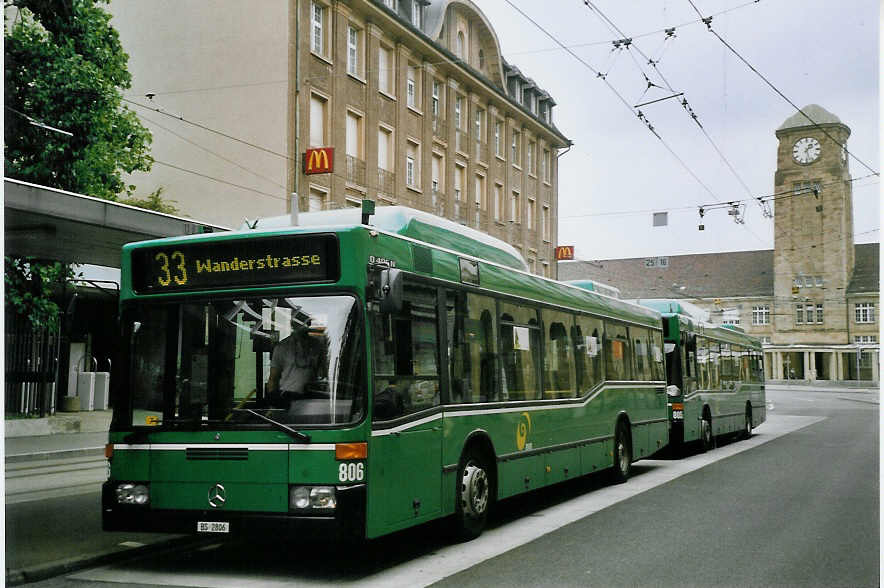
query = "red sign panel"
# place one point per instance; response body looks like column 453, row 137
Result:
column 319, row 161
column 564, row 252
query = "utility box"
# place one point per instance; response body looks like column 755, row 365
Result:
column 86, row 390
column 101, row 395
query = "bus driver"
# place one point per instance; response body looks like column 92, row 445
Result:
column 297, row 361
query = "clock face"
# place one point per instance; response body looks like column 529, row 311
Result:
column 806, row 150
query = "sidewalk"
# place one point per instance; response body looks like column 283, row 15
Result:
column 53, row 473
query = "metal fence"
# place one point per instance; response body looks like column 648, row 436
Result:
column 31, row 368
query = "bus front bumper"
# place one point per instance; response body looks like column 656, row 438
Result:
column 347, row 522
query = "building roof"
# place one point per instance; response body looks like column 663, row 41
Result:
column 707, row 275
column 818, row 116
column 866, row 273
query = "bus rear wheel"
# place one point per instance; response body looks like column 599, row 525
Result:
column 747, row 430
column 622, row 454
column 473, row 495
column 706, row 438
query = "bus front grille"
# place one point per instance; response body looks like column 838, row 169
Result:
column 202, row 453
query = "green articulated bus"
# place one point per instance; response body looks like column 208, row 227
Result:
column 715, row 376
column 359, row 375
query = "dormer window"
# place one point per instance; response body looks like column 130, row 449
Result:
column 459, row 46
column 416, row 14
column 544, row 111
column 481, row 59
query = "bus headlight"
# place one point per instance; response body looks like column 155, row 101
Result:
column 312, row 498
column 130, row 493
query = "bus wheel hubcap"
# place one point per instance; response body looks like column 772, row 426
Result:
column 624, row 458
column 474, row 490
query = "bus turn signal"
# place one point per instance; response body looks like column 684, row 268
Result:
column 351, row 451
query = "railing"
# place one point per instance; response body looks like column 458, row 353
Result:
column 460, row 211
column 386, row 182
column 515, row 177
column 355, row 170
column 31, row 366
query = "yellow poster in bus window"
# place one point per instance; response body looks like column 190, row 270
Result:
column 617, row 349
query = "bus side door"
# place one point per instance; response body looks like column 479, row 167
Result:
column 404, row 457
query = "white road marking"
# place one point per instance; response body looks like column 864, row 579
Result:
column 452, row 559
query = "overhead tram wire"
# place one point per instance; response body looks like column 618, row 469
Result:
column 616, row 93
column 708, row 22
column 595, row 9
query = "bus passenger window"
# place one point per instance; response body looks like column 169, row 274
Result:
column 656, row 356
column 558, row 372
column 642, row 358
column 473, row 348
column 618, row 352
column 587, row 340
column 519, row 352
column 406, row 356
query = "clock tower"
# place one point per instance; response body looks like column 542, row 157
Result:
column 813, row 229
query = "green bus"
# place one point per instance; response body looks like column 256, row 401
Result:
column 354, row 376
column 715, row 376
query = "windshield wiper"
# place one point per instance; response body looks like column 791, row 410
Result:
column 303, row 437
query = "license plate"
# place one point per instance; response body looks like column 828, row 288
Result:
column 677, row 415
column 212, row 527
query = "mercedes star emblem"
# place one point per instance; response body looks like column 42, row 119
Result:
column 217, row 496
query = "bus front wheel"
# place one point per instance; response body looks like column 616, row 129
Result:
column 473, row 496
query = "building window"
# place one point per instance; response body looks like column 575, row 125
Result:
column 544, row 111
column 317, row 40
column 435, row 99
column 864, row 312
column 354, row 136
column 808, row 314
column 458, row 108
column 354, row 63
column 765, row 340
column 498, row 139
column 385, row 146
column 460, row 43
column 799, row 314
column 532, row 161
column 480, row 125
column 391, row 4
column 437, row 166
column 865, row 339
column 532, row 207
column 819, row 314
column 459, row 181
column 386, row 69
column 517, row 148
column 317, row 200
column 516, row 208
column 761, row 314
column 481, row 201
column 413, row 86
column 546, row 166
column 416, row 14
column 412, row 164
column 318, row 108
column 499, row 204
column 481, row 59
column 545, row 220
column 813, row 187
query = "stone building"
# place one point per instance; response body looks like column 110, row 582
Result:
column 814, row 298
column 414, row 96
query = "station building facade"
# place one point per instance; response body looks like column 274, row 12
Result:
column 414, row 98
column 814, row 300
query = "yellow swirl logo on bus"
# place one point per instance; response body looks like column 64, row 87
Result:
column 522, row 430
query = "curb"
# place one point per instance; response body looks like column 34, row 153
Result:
column 73, row 564
column 60, row 454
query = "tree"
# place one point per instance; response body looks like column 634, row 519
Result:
column 31, row 288
column 153, row 201
column 66, row 68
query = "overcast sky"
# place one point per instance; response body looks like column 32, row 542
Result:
column 814, row 52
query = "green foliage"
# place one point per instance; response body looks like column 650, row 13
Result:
column 154, row 201
column 65, row 67
column 30, row 289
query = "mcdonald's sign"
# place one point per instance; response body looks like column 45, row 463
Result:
column 319, row 161
column 564, row 252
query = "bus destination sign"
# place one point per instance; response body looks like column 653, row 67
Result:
column 235, row 263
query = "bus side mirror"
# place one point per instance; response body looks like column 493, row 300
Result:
column 390, row 291
column 672, row 391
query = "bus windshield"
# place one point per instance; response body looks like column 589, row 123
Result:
column 230, row 363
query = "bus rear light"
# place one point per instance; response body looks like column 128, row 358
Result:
column 109, row 451
column 351, row 451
